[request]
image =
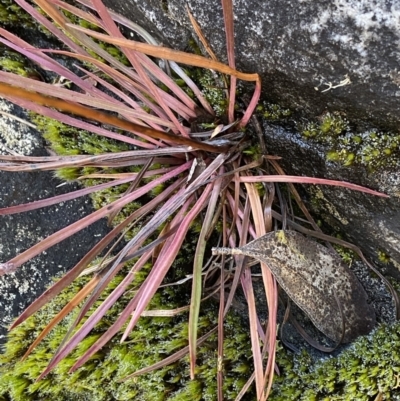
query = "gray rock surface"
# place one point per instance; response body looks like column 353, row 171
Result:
column 19, row 232
column 311, row 55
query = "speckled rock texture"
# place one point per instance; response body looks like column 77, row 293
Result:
column 300, row 49
column 19, row 232
column 340, row 56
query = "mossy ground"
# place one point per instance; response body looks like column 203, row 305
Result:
column 153, row 339
column 371, row 366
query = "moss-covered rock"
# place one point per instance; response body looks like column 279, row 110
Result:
column 372, row 149
column 370, row 366
column 273, row 111
column 153, row 339
column 12, row 16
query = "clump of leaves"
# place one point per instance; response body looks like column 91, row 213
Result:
column 206, row 175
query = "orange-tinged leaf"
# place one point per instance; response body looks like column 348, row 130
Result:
column 227, row 7
column 76, row 300
column 170, row 54
column 200, row 35
column 14, row 92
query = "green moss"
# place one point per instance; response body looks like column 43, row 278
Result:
column 372, row 149
column 12, row 16
column 369, row 366
column 214, row 94
column 333, row 124
column 194, row 47
column 273, row 111
column 14, row 62
column 346, row 254
column 151, row 341
column 329, row 126
column 383, row 257
column 66, row 140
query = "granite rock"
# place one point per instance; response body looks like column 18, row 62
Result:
column 19, row 232
column 313, row 56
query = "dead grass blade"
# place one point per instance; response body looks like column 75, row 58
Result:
column 85, row 112
column 129, row 157
column 220, row 351
column 227, row 8
column 271, row 290
column 200, row 34
column 255, row 344
column 63, row 197
column 165, row 312
column 239, row 259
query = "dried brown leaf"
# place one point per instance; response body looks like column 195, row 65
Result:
column 312, row 275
